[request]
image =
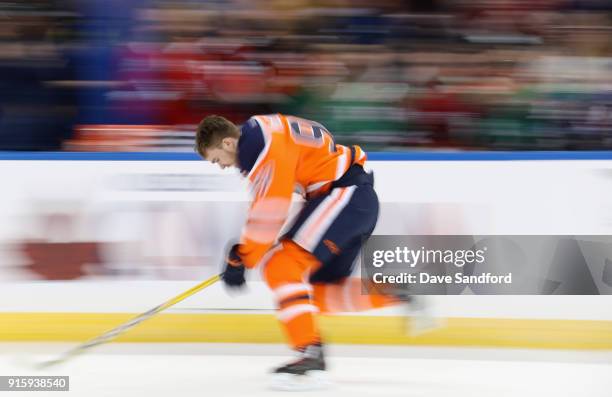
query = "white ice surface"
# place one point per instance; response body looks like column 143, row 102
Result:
column 177, row 370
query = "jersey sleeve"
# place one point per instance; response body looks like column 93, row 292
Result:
column 271, row 184
column 250, row 145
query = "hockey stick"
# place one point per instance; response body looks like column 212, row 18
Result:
column 113, row 333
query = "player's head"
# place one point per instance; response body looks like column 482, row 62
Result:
column 217, row 141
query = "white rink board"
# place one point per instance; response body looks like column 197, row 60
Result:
column 422, row 197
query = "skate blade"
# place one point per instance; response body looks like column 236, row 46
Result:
column 313, row 380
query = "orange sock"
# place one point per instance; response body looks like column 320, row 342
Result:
column 286, row 273
column 348, row 297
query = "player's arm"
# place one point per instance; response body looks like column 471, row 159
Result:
column 272, row 186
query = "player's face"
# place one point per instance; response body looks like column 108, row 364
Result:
column 223, row 154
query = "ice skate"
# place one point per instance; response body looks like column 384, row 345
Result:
column 306, row 373
column 419, row 318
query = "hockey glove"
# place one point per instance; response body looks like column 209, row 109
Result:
column 233, row 275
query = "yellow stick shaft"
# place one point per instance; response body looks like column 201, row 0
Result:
column 113, row 333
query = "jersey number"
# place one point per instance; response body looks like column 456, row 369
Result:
column 310, row 134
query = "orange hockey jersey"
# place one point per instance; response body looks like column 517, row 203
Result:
column 280, row 154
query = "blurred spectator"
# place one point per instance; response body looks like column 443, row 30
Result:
column 389, row 74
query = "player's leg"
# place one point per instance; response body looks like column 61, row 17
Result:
column 324, row 229
column 286, row 272
column 337, row 245
column 334, row 291
column 337, row 248
column 289, row 265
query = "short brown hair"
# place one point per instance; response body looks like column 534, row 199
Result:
column 211, row 131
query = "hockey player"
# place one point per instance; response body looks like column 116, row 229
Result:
column 308, row 267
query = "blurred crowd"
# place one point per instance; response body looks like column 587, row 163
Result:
column 136, row 75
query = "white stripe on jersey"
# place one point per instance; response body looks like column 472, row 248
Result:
column 309, row 237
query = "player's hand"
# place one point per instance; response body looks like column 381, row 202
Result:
column 233, row 275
